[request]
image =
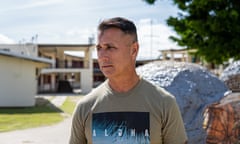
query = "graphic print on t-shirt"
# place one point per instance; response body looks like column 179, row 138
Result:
column 121, row 128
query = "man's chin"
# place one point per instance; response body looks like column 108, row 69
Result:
column 109, row 75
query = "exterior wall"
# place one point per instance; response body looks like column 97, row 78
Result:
column 17, row 82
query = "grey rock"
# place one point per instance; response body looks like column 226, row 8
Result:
column 194, row 88
column 232, row 69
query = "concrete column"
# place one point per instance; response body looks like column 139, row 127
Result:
column 172, row 56
column 189, row 57
column 164, row 56
column 53, row 57
column 69, row 63
column 86, row 76
column 53, row 82
column 60, row 56
column 41, row 83
column 86, row 58
column 183, row 57
column 86, row 81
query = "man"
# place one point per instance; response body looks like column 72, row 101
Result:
column 125, row 109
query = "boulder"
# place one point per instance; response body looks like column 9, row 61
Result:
column 194, row 88
column 222, row 120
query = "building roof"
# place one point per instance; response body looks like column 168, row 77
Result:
column 70, row 47
column 65, row 45
column 26, row 57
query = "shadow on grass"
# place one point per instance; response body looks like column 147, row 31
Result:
column 42, row 106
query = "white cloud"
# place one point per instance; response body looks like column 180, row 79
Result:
column 32, row 4
column 5, row 40
column 154, row 37
column 69, row 35
column 80, row 34
column 38, row 3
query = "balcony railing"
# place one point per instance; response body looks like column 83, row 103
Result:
column 71, row 64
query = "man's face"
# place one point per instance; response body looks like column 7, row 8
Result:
column 116, row 53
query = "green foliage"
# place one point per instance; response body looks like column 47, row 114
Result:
column 150, row 1
column 210, row 26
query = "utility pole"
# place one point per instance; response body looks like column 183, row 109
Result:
column 151, row 38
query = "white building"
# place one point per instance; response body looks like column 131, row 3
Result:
column 26, row 69
column 77, row 71
column 18, row 77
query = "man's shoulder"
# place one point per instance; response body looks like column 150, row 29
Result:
column 155, row 89
column 149, row 84
column 91, row 97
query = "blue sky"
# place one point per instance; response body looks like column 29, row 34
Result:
column 73, row 21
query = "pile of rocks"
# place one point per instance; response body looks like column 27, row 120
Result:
column 232, row 69
column 231, row 76
column 194, row 88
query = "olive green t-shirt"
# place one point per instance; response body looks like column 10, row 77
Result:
column 146, row 114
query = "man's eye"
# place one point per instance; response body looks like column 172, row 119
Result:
column 98, row 48
column 110, row 47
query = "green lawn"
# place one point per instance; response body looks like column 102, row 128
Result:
column 42, row 114
column 69, row 104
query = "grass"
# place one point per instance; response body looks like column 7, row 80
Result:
column 42, row 114
column 69, row 105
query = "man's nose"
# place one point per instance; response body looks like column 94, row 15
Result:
column 102, row 54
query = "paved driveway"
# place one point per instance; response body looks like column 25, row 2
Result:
column 55, row 134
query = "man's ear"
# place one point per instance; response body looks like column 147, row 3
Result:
column 135, row 47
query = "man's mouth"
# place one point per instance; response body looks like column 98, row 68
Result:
column 107, row 66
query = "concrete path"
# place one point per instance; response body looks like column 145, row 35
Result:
column 55, row 134
column 58, row 100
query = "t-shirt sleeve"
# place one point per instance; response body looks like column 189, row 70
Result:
column 173, row 127
column 77, row 130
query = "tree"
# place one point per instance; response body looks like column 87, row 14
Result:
column 212, row 27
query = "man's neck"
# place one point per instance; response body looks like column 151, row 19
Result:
column 124, row 84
